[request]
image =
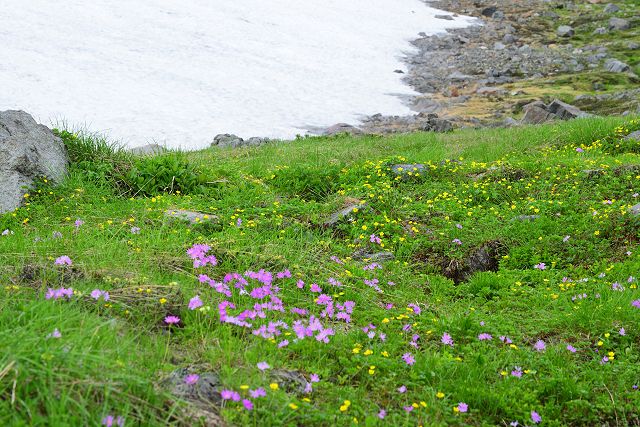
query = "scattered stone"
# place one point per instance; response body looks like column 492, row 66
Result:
column 205, row 390
column 445, row 17
column 489, row 11
column 28, row 152
column 619, row 24
column 615, row 66
column 405, row 169
column 611, row 8
column 565, row 31
column 593, row 173
column 148, row 150
column 435, row 124
column 484, row 258
column 190, row 216
column 398, row 71
column 600, row 30
column 291, row 381
column 635, row 210
column 374, row 257
column 340, row 128
column 509, row 39
column 633, row 136
column 498, row 46
column 633, row 45
column 343, row 214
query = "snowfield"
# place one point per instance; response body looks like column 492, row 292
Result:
column 180, row 72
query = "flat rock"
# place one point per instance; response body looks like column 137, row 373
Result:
column 537, row 112
column 635, row 210
column 611, row 8
column 343, row 214
column 445, row 17
column 633, row 136
column 619, row 24
column 340, row 128
column 28, row 152
column 191, row 216
column 565, row 31
column 615, row 66
column 148, row 150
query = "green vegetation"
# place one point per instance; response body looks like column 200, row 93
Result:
column 545, row 208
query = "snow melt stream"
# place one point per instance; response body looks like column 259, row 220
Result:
column 180, row 72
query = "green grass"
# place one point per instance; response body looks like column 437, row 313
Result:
column 266, row 208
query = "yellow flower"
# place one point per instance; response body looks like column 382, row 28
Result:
column 293, row 406
column 600, row 343
column 607, row 335
column 368, row 352
column 163, row 300
column 440, row 395
column 273, row 386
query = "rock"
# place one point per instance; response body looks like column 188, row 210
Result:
column 565, row 31
column 565, row 111
column 343, row 214
column 255, row 141
column 227, row 140
column 374, row 257
column 435, row 124
column 633, row 46
column 510, row 122
column 611, row 8
column 404, row 170
column 489, row 11
column 291, row 381
column 148, row 150
column 190, row 216
column 619, row 24
column 633, row 136
column 483, row 258
column 205, row 390
column 635, row 210
column 498, row 46
column 615, row 66
column 537, row 112
column 340, row 128
column 498, row 15
column 509, row 39
column 457, row 76
column 600, row 30
column 28, row 151
column 445, row 17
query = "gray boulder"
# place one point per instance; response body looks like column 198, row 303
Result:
column 28, row 151
column 227, row 140
column 633, row 45
column 565, row 31
column 611, row 8
column 600, row 30
column 435, row 124
column 635, row 210
column 340, row 128
column 537, row 112
column 619, row 24
column 148, row 150
column 633, row 136
column 615, row 66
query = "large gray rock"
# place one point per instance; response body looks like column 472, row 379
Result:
column 633, row 136
column 615, row 66
column 148, row 150
column 28, row 151
column 611, row 8
column 537, row 112
column 565, row 31
column 340, row 128
column 227, row 140
column 619, row 24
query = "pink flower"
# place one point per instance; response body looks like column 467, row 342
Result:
column 463, row 407
column 171, row 320
column 447, row 340
column 195, row 302
column 457, row 241
column 63, row 260
column 191, row 379
column 540, row 266
column 259, row 392
column 571, row 348
column 535, row 417
column 408, row 359
column 539, row 345
column 230, row 395
column 622, row 332
column 485, row 337
column 382, row 414
column 55, row 334
column 135, row 230
column 248, row 405
column 263, row 366
column 110, row 421
column 316, row 288
column 636, row 303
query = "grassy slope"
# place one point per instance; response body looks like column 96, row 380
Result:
column 111, row 357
